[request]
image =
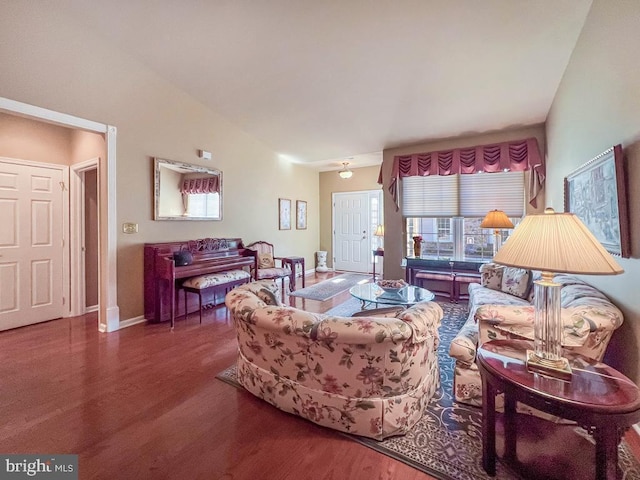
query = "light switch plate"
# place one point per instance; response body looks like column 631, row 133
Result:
column 130, row 227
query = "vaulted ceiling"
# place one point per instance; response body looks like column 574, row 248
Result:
column 322, row 81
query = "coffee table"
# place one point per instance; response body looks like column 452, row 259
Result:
column 369, row 293
column 598, row 398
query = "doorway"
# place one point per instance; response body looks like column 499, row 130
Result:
column 355, row 218
column 108, row 312
column 85, row 227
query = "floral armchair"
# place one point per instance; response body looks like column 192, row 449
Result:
column 266, row 264
column 369, row 376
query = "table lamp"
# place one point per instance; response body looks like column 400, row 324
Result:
column 497, row 220
column 380, row 234
column 553, row 242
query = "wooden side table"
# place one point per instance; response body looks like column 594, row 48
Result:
column 292, row 262
column 598, row 398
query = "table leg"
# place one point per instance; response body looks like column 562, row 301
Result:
column 488, row 427
column 607, row 440
column 303, row 271
column 510, row 426
column 292, row 278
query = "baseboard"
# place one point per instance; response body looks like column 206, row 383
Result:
column 91, row 309
column 132, row 321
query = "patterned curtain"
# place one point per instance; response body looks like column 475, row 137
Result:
column 513, row 156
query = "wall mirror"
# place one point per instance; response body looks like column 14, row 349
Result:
column 186, row 192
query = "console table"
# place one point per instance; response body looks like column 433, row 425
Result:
column 598, row 398
column 443, row 277
column 376, row 253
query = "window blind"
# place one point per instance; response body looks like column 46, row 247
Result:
column 432, row 196
column 471, row 195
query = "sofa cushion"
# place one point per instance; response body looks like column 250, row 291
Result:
column 492, row 276
column 516, row 281
column 479, row 295
column 212, row 279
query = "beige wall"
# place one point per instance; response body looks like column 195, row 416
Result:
column 91, row 79
column 24, row 139
column 596, row 107
column 363, row 179
column 394, row 225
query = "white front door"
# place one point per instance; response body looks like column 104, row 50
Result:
column 31, row 244
column 353, row 231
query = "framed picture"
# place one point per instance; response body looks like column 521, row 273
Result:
column 301, row 215
column 596, row 193
column 284, row 214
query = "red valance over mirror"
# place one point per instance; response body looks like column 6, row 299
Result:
column 209, row 184
column 515, row 156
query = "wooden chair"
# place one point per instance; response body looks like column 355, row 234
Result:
column 267, row 268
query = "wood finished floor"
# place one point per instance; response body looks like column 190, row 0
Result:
column 143, row 403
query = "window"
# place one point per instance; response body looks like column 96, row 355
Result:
column 203, row 204
column 444, row 229
column 446, row 211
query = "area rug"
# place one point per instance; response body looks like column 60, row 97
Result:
column 346, row 308
column 331, row 287
column 447, row 441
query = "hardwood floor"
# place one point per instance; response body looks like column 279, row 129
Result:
column 144, row 403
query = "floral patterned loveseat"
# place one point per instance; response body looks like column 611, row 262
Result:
column 369, row 376
column 502, row 307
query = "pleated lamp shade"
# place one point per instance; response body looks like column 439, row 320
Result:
column 556, row 242
column 496, row 219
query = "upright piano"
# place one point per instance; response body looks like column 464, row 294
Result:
column 210, row 255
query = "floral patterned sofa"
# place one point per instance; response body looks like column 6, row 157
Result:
column 369, row 376
column 502, row 307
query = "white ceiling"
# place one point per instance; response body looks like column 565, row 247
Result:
column 322, row 81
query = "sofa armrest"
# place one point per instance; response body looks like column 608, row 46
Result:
column 415, row 324
column 601, row 314
column 507, row 321
column 463, row 347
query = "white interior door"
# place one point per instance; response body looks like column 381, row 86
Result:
column 352, row 232
column 31, row 244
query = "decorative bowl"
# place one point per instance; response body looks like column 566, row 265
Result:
column 392, row 286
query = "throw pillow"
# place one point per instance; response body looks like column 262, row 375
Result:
column 265, row 260
column 491, row 276
column 516, row 281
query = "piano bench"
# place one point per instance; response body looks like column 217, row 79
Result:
column 213, row 282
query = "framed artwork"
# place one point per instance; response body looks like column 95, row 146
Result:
column 301, row 215
column 596, row 193
column 284, row 214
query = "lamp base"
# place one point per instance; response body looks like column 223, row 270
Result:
column 559, row 368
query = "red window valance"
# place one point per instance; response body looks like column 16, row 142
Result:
column 513, row 156
column 200, row 185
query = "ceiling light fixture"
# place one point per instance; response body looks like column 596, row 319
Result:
column 345, row 172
